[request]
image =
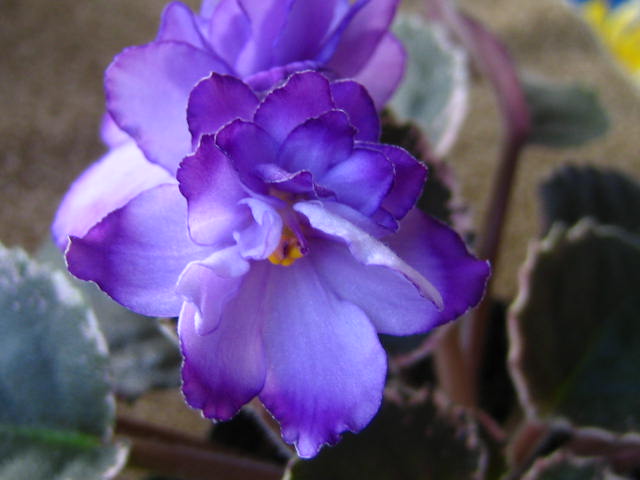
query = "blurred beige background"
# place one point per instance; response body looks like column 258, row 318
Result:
column 52, row 55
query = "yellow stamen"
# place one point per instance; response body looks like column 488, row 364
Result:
column 287, row 251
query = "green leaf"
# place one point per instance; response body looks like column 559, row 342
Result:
column 563, row 115
column 560, row 466
column 56, row 407
column 574, row 192
column 574, row 329
column 435, row 87
column 144, row 355
column 419, row 441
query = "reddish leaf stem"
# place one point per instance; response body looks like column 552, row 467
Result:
column 494, row 62
column 175, row 453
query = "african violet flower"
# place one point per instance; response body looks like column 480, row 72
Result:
column 259, row 41
column 286, row 243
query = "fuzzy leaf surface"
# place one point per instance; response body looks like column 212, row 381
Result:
column 143, row 354
column 434, row 92
column 573, row 192
column 56, row 405
column 563, row 116
column 416, row 442
column 574, row 330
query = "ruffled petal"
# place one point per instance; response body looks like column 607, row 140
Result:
column 147, row 90
column 305, row 95
column 267, row 79
column 209, row 284
column 392, row 303
column 247, row 146
column 229, row 30
column 361, row 181
column 354, row 99
column 438, row 253
column 410, row 176
column 318, row 144
column 136, row 253
column 365, row 248
column 179, row 24
column 361, row 37
column 226, row 368
column 262, row 236
column 298, row 182
column 104, row 187
column 382, row 74
column 212, row 189
column 305, row 28
column 217, row 100
column 326, row 368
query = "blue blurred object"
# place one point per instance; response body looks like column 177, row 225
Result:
column 611, row 3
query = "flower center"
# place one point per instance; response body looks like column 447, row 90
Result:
column 288, row 250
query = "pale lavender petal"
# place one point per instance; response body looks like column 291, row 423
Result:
column 226, row 368
column 208, row 6
column 111, row 134
column 354, row 99
column 374, row 225
column 361, row 181
column 147, row 90
column 217, row 100
column 179, row 24
column 365, row 248
column 247, row 146
column 392, row 303
column 267, row 18
column 343, row 16
column 438, row 253
column 410, row 176
column 104, row 187
column 262, row 236
column 361, row 37
column 136, row 253
column 342, row 7
column 209, row 284
column 305, row 28
column 326, row 368
column 318, row 144
column 305, row 95
column 229, row 30
column 212, row 189
column 385, row 69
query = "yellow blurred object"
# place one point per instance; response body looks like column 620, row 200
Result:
column 619, row 29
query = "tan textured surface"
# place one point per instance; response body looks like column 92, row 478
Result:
column 53, row 53
column 547, row 39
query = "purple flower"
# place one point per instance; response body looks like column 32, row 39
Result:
column 286, row 242
column 259, row 41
